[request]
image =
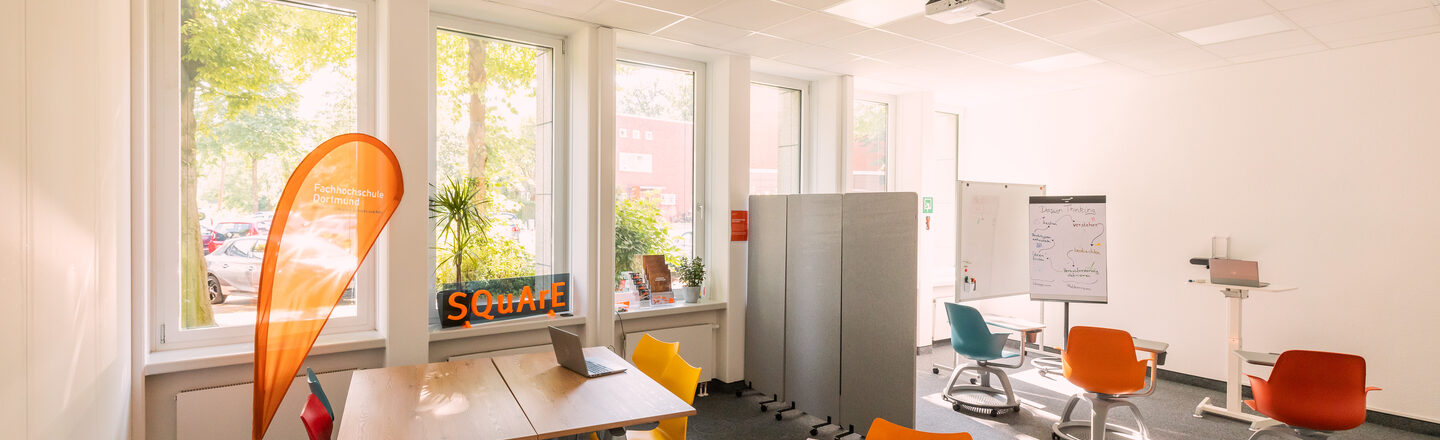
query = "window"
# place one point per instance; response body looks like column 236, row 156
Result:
column 775, row 123
column 495, row 153
column 869, row 156
column 257, row 85
column 657, row 209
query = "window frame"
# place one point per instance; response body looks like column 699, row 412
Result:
column 805, row 129
column 890, row 136
column 560, row 143
column 701, row 135
column 159, row 178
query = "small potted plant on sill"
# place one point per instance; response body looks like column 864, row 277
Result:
column 691, row 271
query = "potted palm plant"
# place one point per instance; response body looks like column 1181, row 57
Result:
column 456, row 208
column 692, row 272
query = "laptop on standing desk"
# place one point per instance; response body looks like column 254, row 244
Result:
column 570, row 355
column 1235, row 272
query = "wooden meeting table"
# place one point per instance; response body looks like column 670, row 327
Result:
column 517, row 397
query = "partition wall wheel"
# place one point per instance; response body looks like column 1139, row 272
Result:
column 779, row 417
column 814, row 431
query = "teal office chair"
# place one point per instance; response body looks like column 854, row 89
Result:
column 971, row 338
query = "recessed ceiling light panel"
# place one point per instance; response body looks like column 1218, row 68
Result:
column 1235, row 30
column 877, row 12
column 1060, row 62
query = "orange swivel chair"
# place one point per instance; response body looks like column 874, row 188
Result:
column 1102, row 362
column 1314, row 393
column 882, row 429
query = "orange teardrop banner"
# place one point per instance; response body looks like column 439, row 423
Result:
column 333, row 208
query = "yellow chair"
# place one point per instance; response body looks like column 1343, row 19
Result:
column 652, row 354
column 882, row 429
column 680, row 378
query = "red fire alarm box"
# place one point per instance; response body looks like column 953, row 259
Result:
column 739, row 225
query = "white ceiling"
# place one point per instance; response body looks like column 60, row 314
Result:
column 1132, row 38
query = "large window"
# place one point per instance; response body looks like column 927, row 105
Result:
column 775, row 126
column 869, row 156
column 656, row 206
column 494, row 158
column 260, row 84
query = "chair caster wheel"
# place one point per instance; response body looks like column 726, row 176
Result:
column 779, row 417
column 934, row 371
column 814, row 431
column 1054, row 436
column 955, row 407
column 972, row 381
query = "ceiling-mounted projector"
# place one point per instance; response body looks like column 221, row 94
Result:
column 955, row 11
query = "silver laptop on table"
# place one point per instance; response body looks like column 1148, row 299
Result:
column 569, row 354
column 1235, row 272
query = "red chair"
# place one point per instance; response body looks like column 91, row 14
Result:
column 316, row 419
column 1314, row 393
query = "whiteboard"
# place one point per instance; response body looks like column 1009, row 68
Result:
column 1068, row 249
column 992, row 239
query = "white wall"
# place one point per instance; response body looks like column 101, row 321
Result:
column 1321, row 166
column 64, row 115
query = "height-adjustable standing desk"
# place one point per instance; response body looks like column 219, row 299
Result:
column 1232, row 408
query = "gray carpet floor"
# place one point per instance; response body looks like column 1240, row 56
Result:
column 722, row 416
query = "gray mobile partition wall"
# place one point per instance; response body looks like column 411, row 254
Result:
column 831, row 310
column 812, row 304
column 765, row 301
column 878, row 309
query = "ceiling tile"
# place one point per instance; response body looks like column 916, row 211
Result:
column 764, row 46
column 816, row 57
column 964, row 66
column 1208, row 14
column 815, row 28
column 1262, row 44
column 918, row 26
column 870, row 42
column 1292, row 4
column 567, row 8
column 1021, row 9
column 1142, row 47
column 1143, row 7
column 1388, row 26
column 682, row 7
column 1182, row 60
column 1068, row 19
column 817, row 5
column 1280, row 53
column 915, row 55
column 702, row 32
column 1027, row 51
column 985, row 38
column 752, row 14
column 630, row 17
column 1350, row 10
column 1387, row 36
column 1109, row 34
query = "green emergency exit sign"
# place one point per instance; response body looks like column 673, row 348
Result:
column 927, row 204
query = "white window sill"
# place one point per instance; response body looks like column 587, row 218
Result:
column 676, row 309
column 171, row 361
column 514, row 325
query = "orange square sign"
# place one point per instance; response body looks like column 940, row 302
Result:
column 739, row 225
